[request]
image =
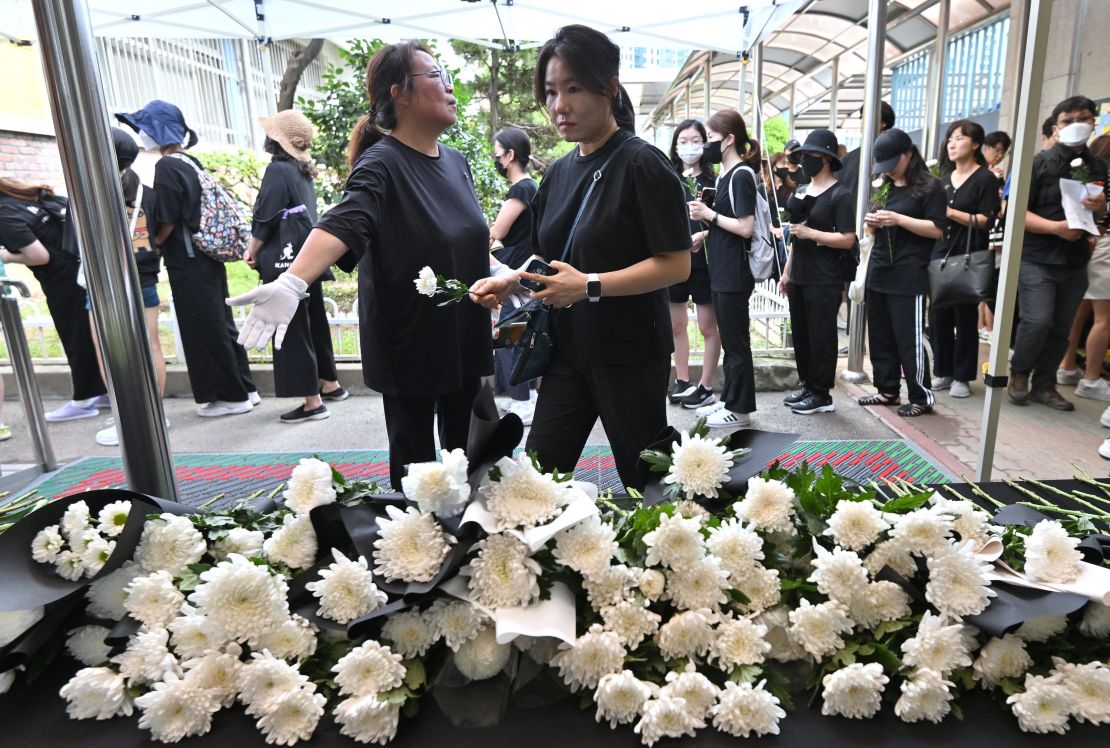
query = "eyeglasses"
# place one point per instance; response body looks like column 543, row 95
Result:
column 444, row 77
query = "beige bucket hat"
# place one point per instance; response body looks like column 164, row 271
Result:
column 292, row 131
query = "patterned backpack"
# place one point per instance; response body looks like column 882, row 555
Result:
column 224, row 229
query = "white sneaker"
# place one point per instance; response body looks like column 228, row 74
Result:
column 941, row 383
column 1095, row 389
column 1104, row 449
column 221, row 408
column 254, row 398
column 525, row 410
column 985, row 335
column 725, row 418
column 1104, row 419
column 707, row 410
column 1068, row 376
column 959, row 389
column 109, row 437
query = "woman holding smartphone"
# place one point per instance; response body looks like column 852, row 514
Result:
column 612, row 327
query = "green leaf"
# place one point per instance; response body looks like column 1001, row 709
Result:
column 659, row 462
column 415, row 675
column 778, row 685
column 746, row 674
column 884, row 656
column 907, row 503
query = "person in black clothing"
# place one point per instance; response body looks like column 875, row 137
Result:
column 612, row 331
column 971, row 191
column 906, row 228
column 34, row 231
column 219, row 373
column 409, row 203
column 823, row 227
column 1053, row 275
column 306, row 358
column 732, row 221
column 849, row 172
column 688, row 158
column 784, row 172
column 511, row 239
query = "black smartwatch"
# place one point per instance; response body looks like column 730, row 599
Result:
column 593, row 287
column 715, row 217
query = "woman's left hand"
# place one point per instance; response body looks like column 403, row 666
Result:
column 489, row 292
column 567, row 286
column 884, row 218
column 699, row 211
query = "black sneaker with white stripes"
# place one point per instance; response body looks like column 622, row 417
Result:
column 814, row 404
column 791, row 400
column 681, row 389
column 699, row 397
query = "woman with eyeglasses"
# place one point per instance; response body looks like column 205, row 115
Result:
column 408, row 203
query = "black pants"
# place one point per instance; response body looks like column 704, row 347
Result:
column 409, row 421
column 1050, row 296
column 218, row 368
column 734, row 326
column 954, row 333
column 896, row 339
column 629, row 398
column 306, row 355
column 66, row 302
column 813, row 322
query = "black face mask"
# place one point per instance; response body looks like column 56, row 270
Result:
column 501, row 168
column 783, row 173
column 812, row 165
column 713, row 152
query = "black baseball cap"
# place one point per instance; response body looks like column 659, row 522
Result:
column 790, row 145
column 888, row 148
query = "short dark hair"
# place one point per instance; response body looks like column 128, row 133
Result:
column 595, row 61
column 886, row 115
column 1047, row 126
column 1073, row 104
column 998, row 138
column 676, row 162
column 971, row 129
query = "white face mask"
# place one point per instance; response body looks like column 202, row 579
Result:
column 690, row 153
column 1076, row 133
column 148, row 142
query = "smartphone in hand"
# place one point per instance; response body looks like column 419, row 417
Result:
column 708, row 195
column 536, row 266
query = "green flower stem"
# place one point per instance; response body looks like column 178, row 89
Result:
column 613, row 507
column 212, row 501
column 1098, row 511
column 18, row 499
column 1051, row 508
column 276, row 490
column 1084, row 478
column 983, row 494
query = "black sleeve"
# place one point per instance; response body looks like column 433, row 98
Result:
column 170, row 193
column 537, row 210
column 661, row 203
column 273, row 197
column 742, row 193
column 355, row 219
column 520, row 191
column 935, row 205
column 991, row 200
column 1035, row 178
column 15, row 230
column 844, row 212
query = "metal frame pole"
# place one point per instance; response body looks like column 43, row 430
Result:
column 19, row 353
column 834, row 95
column 707, row 79
column 793, row 97
column 264, row 41
column 872, row 100
column 96, row 203
column 1038, row 14
column 757, row 93
column 934, row 111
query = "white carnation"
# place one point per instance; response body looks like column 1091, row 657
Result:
column 70, row 565
column 610, row 586
column 410, row 633
column 86, row 645
column 839, row 574
column 153, row 600
column 481, row 657
column 855, row 691
column 293, row 717
column 112, row 518
column 504, row 574
column 737, row 547
column 699, row 466
column 701, row 584
column 695, row 689
column 1001, row 658
column 346, row 589
column 264, row 679
column 958, row 584
column 925, row 696
column 293, row 544
column 587, row 547
column 743, row 710
column 676, row 542
column 242, row 599
column 768, row 504
column 193, row 634
column 108, row 594
column 1044, row 706
column 665, row 718
column 971, row 522
column 856, row 524
column 739, row 642
column 762, row 588
column 631, row 621
column 1051, row 554
column 818, row 628
column 47, row 544
column 177, row 709
column 592, row 655
column 878, row 602
column 936, row 646
column 14, row 623
column 310, row 486
column 239, row 540
column 1096, row 621
column 620, row 697
column 411, row 545
column 97, row 552
column 370, row 668
column 923, row 531
column 292, row 639
column 783, row 648
column 893, row 554
column 426, row 283
column 686, row 635
column 652, row 583
column 523, row 496
column 147, row 659
column 365, row 719
column 75, row 521
column 96, row 693
column 439, row 487
column 1088, row 688
column 1042, row 628
column 456, row 621
column 169, row 543
column 217, row 672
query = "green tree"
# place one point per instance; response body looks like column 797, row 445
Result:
column 775, row 134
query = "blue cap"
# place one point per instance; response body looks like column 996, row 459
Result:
column 162, row 122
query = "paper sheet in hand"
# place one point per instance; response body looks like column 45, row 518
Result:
column 1072, row 192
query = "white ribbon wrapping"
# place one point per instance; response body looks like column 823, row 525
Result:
column 581, row 505
column 552, row 617
column 1092, row 582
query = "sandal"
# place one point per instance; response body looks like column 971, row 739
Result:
column 879, row 399
column 913, row 410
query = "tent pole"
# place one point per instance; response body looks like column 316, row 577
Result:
column 834, row 95
column 757, row 93
column 934, row 111
column 264, row 41
column 707, row 81
column 81, row 122
column 1038, row 14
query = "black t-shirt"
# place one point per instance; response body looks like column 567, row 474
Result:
column 727, row 253
column 978, row 194
column 178, row 193
column 907, row 274
column 1044, row 200
column 518, row 241
column 704, row 179
column 23, row 223
column 814, row 264
column 848, row 176
column 636, row 211
column 142, row 238
column 402, row 210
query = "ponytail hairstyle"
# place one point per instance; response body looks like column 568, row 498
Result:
column 389, row 67
column 516, row 140
column 729, row 122
column 595, row 61
column 31, row 193
column 971, row 130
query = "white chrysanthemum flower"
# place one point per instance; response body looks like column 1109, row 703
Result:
column 346, row 589
column 439, row 487
column 176, row 709
column 631, row 621
column 86, row 645
column 923, row 531
column 1050, row 553
column 855, row 691
column 523, row 496
column 687, row 635
column 777, row 622
column 48, row 543
column 504, row 574
column 699, row 466
column 878, row 602
column 739, row 641
column 1096, row 621
column 14, row 623
column 70, row 565
column 147, row 659
column 112, row 518
column 743, row 710
column 108, row 594
column 701, row 584
column 856, row 524
column 97, row 552
column 610, row 586
column 893, row 554
column 586, row 547
column 768, row 504
column 652, row 583
column 971, row 522
column 75, row 521
column 96, row 693
column 193, row 634
column 925, row 696
column 410, row 633
column 365, row 719
column 688, row 509
column 481, row 657
column 695, row 689
column 1042, row 628
column 310, row 486
column 218, row 673
column 293, row 544
column 79, row 543
column 264, row 679
column 242, row 599
column 1088, row 687
column 958, row 584
column 239, row 540
column 737, row 547
column 292, row 639
column 411, row 545
column 1001, row 658
column 153, row 600
column 839, row 574
column 761, row 586
column 293, row 717
column 592, row 655
column 620, row 697
column 818, row 628
column 1044, row 706
column 425, row 282
column 169, row 543
column 369, row 668
column 676, row 543
column 936, row 646
column 665, row 718
column 456, row 621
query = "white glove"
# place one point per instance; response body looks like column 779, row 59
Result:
column 274, row 306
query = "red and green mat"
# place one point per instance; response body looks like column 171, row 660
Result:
column 203, row 475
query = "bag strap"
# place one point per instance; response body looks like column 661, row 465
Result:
column 586, row 198
column 135, row 211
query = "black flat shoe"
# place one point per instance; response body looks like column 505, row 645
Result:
column 335, row 395
column 300, row 415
